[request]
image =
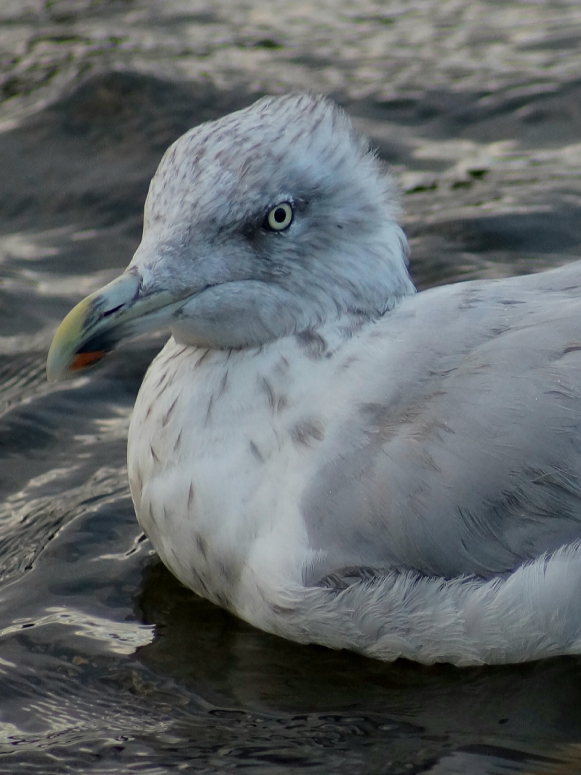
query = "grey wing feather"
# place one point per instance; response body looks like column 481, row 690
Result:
column 463, row 456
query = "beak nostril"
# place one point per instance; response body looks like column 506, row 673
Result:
column 111, row 311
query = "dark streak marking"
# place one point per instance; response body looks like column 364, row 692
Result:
column 269, row 390
column 202, row 358
column 373, row 413
column 276, row 403
column 160, row 380
column 281, row 610
column 345, row 577
column 176, row 354
column 176, row 446
column 256, row 452
column 202, row 546
column 167, row 415
column 334, row 582
column 282, row 366
column 153, row 455
column 170, row 381
column 304, row 432
column 190, row 495
column 167, row 383
column 571, row 348
column 200, row 581
column 139, row 480
column 223, row 385
column 281, row 403
column 560, row 393
column 347, row 363
column 312, row 343
column 226, row 574
column 209, row 411
column 221, row 600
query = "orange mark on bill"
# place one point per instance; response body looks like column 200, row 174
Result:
column 86, row 359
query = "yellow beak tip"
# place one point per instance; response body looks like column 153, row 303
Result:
column 62, row 355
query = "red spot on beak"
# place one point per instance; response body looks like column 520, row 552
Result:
column 86, row 359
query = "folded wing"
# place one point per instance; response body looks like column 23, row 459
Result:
column 462, row 453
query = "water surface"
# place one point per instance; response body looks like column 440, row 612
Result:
column 107, row 664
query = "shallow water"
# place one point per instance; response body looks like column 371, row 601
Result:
column 107, row 664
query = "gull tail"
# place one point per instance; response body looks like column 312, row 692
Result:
column 531, row 613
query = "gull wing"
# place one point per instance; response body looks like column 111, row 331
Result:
column 461, row 450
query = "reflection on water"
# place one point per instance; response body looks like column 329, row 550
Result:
column 106, row 663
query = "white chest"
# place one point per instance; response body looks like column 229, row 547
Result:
column 220, row 445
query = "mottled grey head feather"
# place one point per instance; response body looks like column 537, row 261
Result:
column 204, row 224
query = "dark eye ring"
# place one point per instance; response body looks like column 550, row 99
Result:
column 280, row 217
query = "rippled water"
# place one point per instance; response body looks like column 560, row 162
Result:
column 107, row 664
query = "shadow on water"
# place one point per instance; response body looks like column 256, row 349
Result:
column 419, row 714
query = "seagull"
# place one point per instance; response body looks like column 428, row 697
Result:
column 321, row 450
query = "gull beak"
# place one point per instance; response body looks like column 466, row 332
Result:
column 98, row 323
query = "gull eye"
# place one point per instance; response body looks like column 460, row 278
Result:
column 280, row 217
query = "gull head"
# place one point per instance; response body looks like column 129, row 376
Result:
column 257, row 226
